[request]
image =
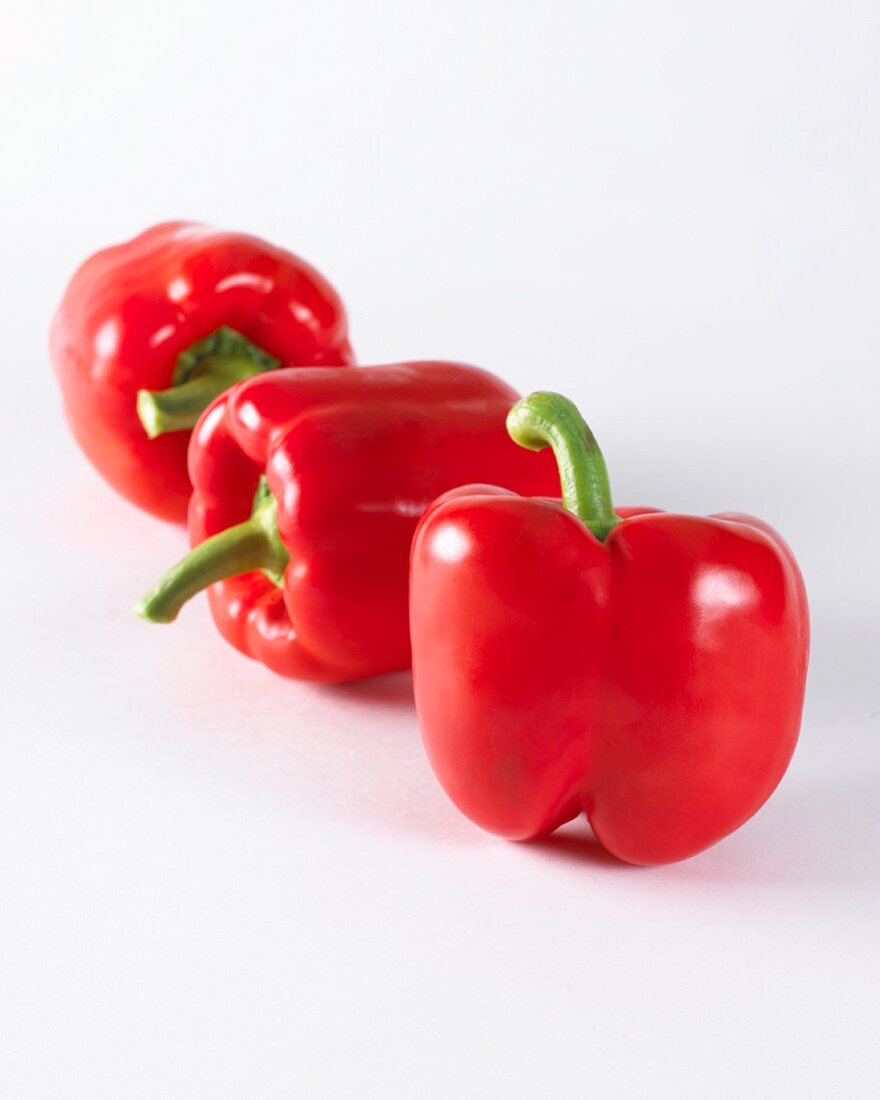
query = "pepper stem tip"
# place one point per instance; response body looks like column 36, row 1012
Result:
column 148, row 414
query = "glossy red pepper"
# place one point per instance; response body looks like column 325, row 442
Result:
column 150, row 331
column 647, row 670
column 310, row 576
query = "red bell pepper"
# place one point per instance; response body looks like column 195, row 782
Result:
column 184, row 310
column 646, row 669
column 309, row 571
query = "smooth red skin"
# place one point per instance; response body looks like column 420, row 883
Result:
column 130, row 310
column 654, row 681
column 353, row 457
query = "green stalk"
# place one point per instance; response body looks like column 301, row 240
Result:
column 254, row 544
column 546, row 419
column 180, row 407
column 201, row 373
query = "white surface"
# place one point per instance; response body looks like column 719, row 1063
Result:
column 217, row 883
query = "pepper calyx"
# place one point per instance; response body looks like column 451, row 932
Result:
column 202, row 372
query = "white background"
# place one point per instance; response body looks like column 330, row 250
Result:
column 218, row 883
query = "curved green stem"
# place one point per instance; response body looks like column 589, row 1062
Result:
column 254, row 544
column 550, row 420
column 180, row 406
column 201, row 373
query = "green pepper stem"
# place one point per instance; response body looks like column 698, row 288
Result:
column 549, row 420
column 180, row 406
column 254, row 544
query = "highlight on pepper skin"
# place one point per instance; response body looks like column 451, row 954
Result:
column 652, row 679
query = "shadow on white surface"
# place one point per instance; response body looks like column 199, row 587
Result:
column 812, row 837
column 392, row 690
